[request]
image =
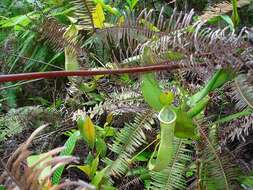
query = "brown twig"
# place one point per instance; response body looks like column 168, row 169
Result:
column 88, row 73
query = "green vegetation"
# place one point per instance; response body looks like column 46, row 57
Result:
column 164, row 99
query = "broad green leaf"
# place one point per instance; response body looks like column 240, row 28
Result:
column 87, row 130
column 98, row 16
column 143, row 157
column 101, row 147
column 94, row 166
column 151, row 91
column 89, row 169
column 108, row 7
column 70, row 145
column 85, row 169
column 22, row 20
column 228, row 20
column 199, row 107
column 98, row 177
column 235, row 15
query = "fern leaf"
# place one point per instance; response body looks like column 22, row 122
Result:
column 218, row 169
column 83, row 12
column 196, row 44
column 243, row 91
column 127, row 141
column 173, row 176
column 54, row 33
column 129, row 38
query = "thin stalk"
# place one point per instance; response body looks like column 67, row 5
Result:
column 234, row 116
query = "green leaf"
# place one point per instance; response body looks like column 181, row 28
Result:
column 94, row 166
column 132, row 3
column 101, row 147
column 218, row 79
column 98, row 177
column 235, row 15
column 199, row 107
column 87, row 130
column 143, row 157
column 228, row 20
column 151, row 91
column 70, row 145
column 85, row 169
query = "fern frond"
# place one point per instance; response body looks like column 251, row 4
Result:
column 238, row 129
column 128, row 38
column 18, row 119
column 218, row 170
column 83, row 12
column 175, row 40
column 133, row 182
column 127, row 141
column 18, row 175
column 53, row 32
column 173, row 177
column 242, row 91
column 221, row 8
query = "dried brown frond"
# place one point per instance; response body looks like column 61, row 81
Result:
column 18, row 175
column 53, row 32
column 242, row 91
column 221, row 8
column 238, row 129
column 176, row 40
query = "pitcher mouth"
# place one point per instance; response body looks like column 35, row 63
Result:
column 167, row 115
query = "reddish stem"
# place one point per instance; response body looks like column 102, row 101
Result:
column 86, row 73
